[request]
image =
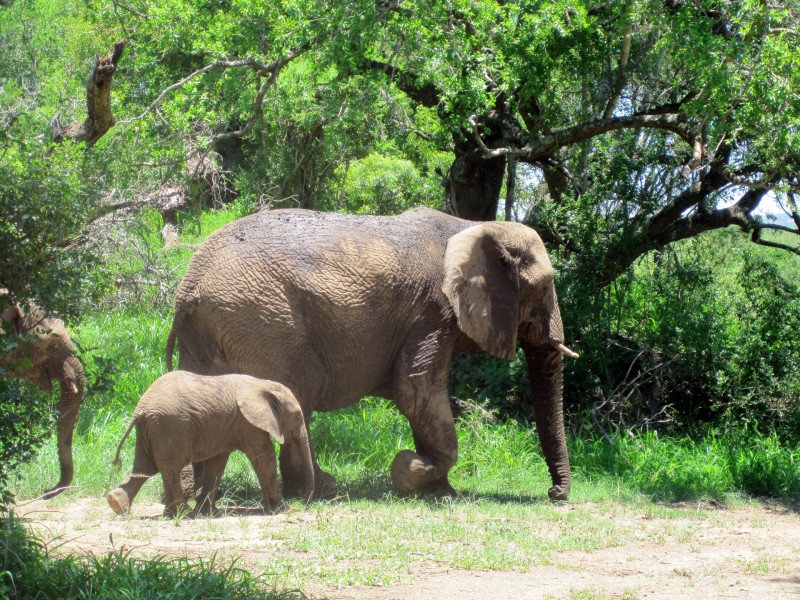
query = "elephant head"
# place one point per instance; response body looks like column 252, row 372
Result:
column 48, row 354
column 499, row 281
column 273, row 408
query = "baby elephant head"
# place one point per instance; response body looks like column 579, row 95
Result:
column 272, row 407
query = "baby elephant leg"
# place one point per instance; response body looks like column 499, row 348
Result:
column 174, row 500
column 120, row 499
column 261, row 455
column 212, row 474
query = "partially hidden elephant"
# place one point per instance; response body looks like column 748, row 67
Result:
column 338, row 307
column 184, row 417
column 47, row 355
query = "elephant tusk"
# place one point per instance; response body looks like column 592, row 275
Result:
column 566, row 351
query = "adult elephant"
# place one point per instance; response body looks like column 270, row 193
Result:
column 337, row 307
column 46, row 355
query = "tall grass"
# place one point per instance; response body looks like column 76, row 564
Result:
column 124, row 353
column 710, row 465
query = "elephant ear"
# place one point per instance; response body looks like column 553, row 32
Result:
column 481, row 281
column 262, row 406
column 11, row 315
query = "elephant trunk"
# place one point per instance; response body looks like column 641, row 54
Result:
column 72, row 386
column 545, row 370
column 309, row 484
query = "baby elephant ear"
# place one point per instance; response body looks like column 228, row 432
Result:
column 263, row 405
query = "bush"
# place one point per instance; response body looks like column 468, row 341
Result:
column 383, row 185
column 703, row 332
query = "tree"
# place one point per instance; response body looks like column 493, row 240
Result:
column 51, row 186
column 664, row 118
column 645, row 121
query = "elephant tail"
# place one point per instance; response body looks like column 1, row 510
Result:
column 173, row 334
column 116, row 462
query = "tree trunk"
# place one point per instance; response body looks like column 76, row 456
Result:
column 473, row 183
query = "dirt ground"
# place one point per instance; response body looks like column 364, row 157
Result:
column 750, row 553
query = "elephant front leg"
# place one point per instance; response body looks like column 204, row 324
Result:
column 435, row 442
column 261, row 455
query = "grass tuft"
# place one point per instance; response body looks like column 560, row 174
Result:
column 29, row 570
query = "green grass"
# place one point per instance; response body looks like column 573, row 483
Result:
column 367, row 535
column 123, row 353
column 709, row 466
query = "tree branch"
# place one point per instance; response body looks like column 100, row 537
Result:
column 532, row 150
column 425, row 93
column 270, row 70
column 98, row 101
column 710, row 182
column 756, row 238
column 622, row 76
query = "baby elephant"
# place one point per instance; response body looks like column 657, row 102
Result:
column 184, row 418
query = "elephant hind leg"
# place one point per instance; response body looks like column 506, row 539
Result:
column 174, row 500
column 120, row 499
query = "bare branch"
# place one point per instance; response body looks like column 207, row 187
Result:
column 795, row 214
column 756, row 237
column 766, row 182
column 694, row 194
column 533, row 150
column 785, row 30
column 254, row 117
column 98, row 101
column 622, row 76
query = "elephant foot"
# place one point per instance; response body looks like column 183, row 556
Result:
column 558, row 493
column 118, row 501
column 412, row 473
column 63, row 482
column 205, row 509
column 276, row 506
column 324, row 484
column 176, row 510
column 440, row 489
column 54, row 491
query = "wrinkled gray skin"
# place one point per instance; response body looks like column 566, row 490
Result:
column 48, row 356
column 338, row 307
column 184, row 417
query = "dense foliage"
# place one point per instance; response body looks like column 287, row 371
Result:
column 704, row 331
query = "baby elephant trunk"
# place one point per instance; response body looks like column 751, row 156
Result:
column 308, row 465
